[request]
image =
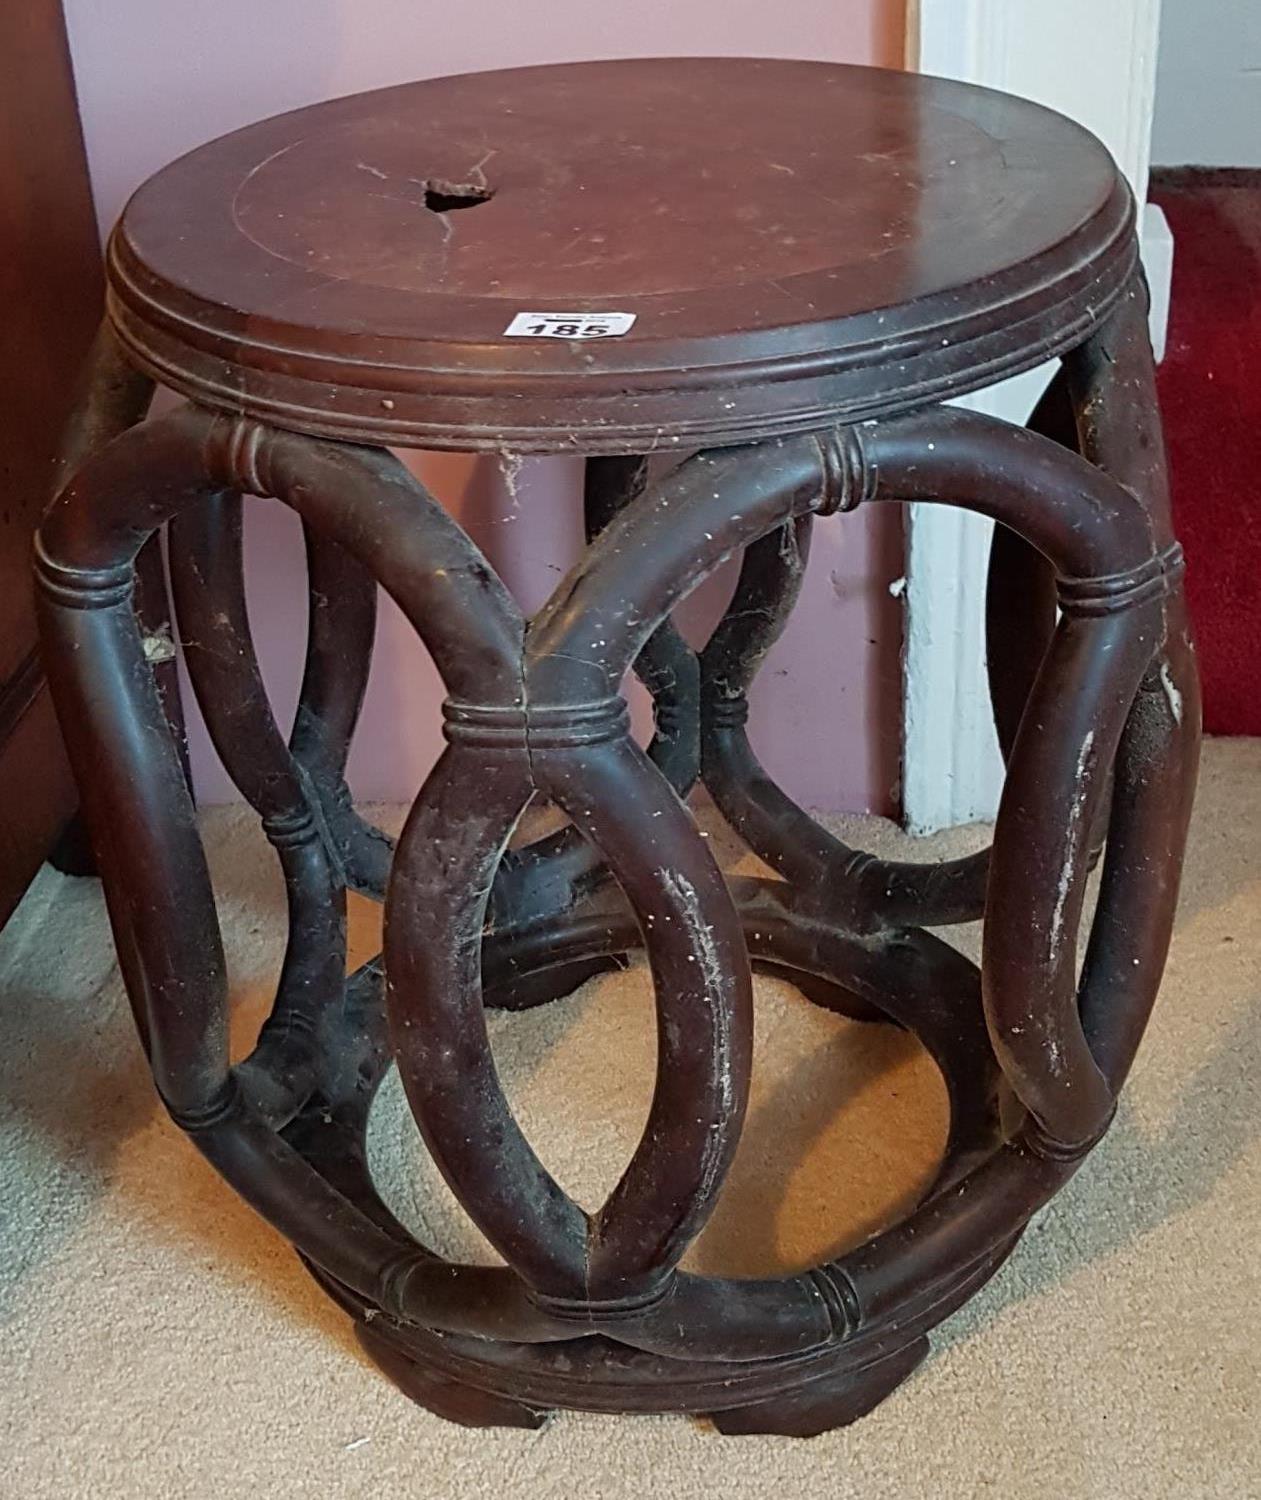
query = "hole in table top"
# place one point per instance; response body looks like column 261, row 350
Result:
column 443, row 197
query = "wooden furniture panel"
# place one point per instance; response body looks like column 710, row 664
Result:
column 50, row 299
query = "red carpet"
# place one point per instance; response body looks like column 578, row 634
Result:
column 1210, row 388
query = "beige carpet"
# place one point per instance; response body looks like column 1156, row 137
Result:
column 160, row 1341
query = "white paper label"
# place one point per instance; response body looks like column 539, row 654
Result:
column 587, row 325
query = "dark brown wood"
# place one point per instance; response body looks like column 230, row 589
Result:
column 589, row 1309
column 50, row 299
column 1020, row 604
column 297, row 270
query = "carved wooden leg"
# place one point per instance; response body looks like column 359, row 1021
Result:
column 563, row 866
column 667, row 665
column 341, row 629
column 136, row 799
column 1122, row 635
column 1113, row 379
column 113, row 396
column 206, row 572
column 1020, row 594
column 855, row 888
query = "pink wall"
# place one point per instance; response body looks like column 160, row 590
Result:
column 156, row 79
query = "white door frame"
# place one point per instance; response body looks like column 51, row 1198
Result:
column 1097, row 63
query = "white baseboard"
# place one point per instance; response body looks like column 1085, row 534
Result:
column 1158, row 261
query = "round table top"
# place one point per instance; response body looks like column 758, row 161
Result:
column 613, row 256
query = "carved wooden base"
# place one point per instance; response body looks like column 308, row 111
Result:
column 834, row 1400
column 820, row 1400
column 456, row 1401
column 472, row 1382
column 520, row 1387
column 801, row 1398
column 590, row 1311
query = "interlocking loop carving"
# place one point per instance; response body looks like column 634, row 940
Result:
column 535, row 711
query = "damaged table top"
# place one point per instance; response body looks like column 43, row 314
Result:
column 617, row 256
